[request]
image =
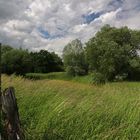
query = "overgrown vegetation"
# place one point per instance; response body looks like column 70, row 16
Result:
column 57, row 109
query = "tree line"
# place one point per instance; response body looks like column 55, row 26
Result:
column 21, row 61
column 112, row 54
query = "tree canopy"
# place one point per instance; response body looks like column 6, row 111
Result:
column 74, row 58
column 113, row 52
column 45, row 61
column 21, row 61
column 15, row 61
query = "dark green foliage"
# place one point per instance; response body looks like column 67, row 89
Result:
column 16, row 61
column 112, row 52
column 74, row 58
column 20, row 61
column 98, row 78
column 45, row 61
column 70, row 71
column 134, row 72
column 5, row 48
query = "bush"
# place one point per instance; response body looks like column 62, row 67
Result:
column 98, row 78
column 70, row 71
column 75, row 71
column 134, row 75
column 121, row 77
column 134, row 71
column 79, row 71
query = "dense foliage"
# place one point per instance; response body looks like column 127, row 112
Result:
column 113, row 53
column 21, row 61
column 15, row 60
column 74, row 58
column 44, row 62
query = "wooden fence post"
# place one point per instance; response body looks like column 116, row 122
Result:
column 11, row 115
column 0, row 98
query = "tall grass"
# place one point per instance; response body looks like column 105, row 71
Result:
column 59, row 76
column 67, row 110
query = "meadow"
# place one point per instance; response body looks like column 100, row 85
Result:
column 87, row 79
column 57, row 107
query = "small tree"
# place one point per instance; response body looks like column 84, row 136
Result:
column 74, row 58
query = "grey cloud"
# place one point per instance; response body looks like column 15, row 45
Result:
column 20, row 20
column 10, row 9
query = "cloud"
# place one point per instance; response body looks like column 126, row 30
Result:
column 12, row 9
column 51, row 24
column 109, row 17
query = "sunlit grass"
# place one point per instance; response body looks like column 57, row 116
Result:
column 68, row 110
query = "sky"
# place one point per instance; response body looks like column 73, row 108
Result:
column 51, row 24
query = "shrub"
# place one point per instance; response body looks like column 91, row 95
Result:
column 79, row 71
column 70, row 71
column 98, row 78
column 121, row 77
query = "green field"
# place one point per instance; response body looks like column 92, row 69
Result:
column 61, row 108
column 60, row 76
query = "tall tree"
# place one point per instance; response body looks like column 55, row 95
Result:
column 112, row 51
column 74, row 58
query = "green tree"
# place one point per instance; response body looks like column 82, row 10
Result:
column 44, row 62
column 74, row 58
column 57, row 64
column 5, row 48
column 112, row 51
column 20, row 61
column 16, row 61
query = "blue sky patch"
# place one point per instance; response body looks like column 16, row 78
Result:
column 45, row 34
column 90, row 17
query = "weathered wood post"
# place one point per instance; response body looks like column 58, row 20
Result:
column 0, row 98
column 11, row 115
